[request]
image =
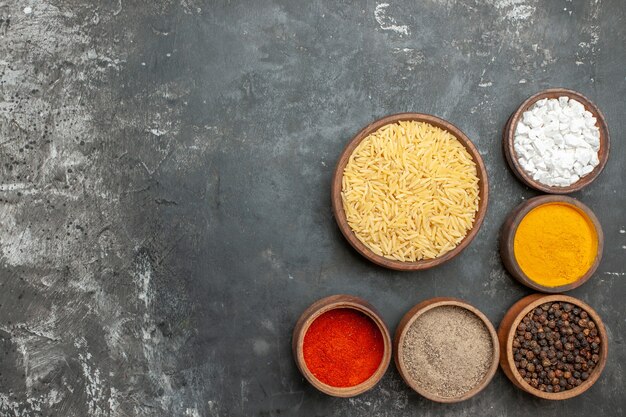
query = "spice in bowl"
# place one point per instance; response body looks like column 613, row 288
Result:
column 557, row 141
column 447, row 351
column 343, row 347
column 555, row 244
column 556, row 347
column 410, row 191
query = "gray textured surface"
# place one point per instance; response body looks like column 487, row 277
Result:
column 164, row 202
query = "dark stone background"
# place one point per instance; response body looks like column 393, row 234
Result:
column 164, row 204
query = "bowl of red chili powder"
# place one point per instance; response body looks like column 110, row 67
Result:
column 341, row 345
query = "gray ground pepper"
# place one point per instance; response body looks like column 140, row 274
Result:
column 447, row 351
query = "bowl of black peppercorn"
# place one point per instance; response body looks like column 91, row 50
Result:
column 552, row 346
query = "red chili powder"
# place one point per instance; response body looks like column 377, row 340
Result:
column 343, row 347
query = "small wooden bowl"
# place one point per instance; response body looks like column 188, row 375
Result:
column 403, row 328
column 511, row 156
column 509, row 229
column 340, row 215
column 508, row 327
column 331, row 303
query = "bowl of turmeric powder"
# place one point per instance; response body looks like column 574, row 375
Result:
column 552, row 243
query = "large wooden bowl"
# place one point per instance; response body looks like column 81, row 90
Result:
column 509, row 229
column 403, row 328
column 511, row 156
column 337, row 201
column 506, row 333
column 322, row 306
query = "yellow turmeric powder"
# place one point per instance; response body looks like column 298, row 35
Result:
column 555, row 244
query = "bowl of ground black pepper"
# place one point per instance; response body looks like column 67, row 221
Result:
column 446, row 350
column 553, row 346
column 341, row 345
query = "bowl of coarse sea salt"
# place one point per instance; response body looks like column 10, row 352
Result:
column 557, row 141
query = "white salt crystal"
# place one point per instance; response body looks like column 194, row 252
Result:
column 576, row 125
column 583, row 156
column 558, row 139
column 586, row 170
column 577, row 107
column 590, row 121
column 534, row 121
column 526, row 116
column 572, row 140
column 522, row 128
column 578, row 168
column 552, row 125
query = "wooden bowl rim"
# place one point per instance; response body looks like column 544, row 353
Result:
column 513, row 222
column 595, row 375
column 337, row 202
column 322, row 306
column 409, row 318
column 511, row 155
